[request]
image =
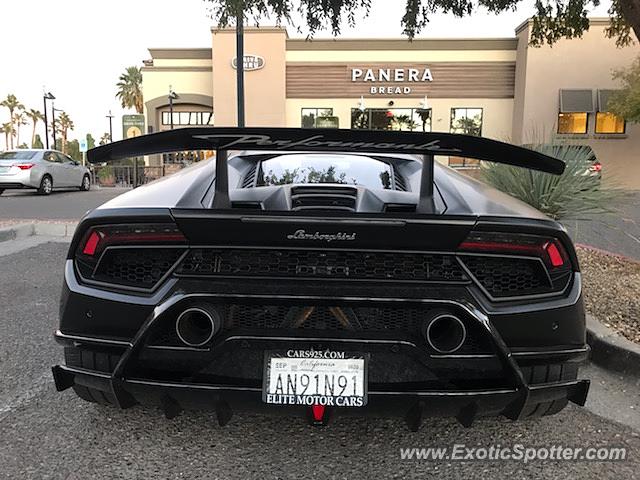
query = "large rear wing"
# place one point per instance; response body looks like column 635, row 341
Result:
column 223, row 139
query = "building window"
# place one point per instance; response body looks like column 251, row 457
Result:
column 575, row 123
column 463, row 162
column 399, row 119
column 467, row 121
column 607, row 122
column 313, row 117
column 188, row 118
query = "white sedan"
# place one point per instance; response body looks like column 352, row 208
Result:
column 43, row 170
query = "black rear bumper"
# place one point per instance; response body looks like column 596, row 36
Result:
column 413, row 402
column 465, row 405
column 520, row 336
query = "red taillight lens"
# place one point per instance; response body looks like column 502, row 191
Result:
column 553, row 252
column 550, row 250
column 92, row 243
column 99, row 238
column 24, row 166
column 596, row 167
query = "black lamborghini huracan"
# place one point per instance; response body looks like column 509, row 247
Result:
column 323, row 272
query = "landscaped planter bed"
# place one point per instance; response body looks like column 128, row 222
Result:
column 611, row 287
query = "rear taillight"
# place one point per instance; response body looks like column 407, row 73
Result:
column 596, row 167
column 548, row 249
column 132, row 256
column 98, row 238
column 24, row 166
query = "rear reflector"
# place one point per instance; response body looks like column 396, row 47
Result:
column 318, row 412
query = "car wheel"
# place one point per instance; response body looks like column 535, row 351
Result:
column 543, row 374
column 46, row 185
column 104, row 362
column 86, row 183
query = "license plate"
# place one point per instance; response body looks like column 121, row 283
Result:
column 315, row 377
column 4, row 169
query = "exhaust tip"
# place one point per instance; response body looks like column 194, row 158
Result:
column 196, row 326
column 446, row 333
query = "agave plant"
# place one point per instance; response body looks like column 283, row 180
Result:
column 575, row 193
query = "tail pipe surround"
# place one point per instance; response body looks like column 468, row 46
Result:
column 445, row 332
column 197, row 325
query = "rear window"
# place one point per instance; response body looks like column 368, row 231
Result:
column 310, row 168
column 17, row 155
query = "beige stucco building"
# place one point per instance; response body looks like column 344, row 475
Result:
column 500, row 88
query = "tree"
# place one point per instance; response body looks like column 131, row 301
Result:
column 91, row 142
column 7, row 129
column 37, row 142
column 130, row 89
column 73, row 150
column 554, row 19
column 104, row 139
column 626, row 102
column 63, row 124
column 19, row 120
column 34, row 116
column 13, row 105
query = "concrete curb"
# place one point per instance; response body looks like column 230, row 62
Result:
column 612, row 351
column 16, row 232
column 49, row 229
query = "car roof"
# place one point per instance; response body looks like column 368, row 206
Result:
column 41, row 150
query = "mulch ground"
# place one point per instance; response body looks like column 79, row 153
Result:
column 611, row 287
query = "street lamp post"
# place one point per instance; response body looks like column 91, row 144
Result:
column 172, row 96
column 47, row 96
column 110, row 117
column 240, row 65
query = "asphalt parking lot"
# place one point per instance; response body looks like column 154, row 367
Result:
column 45, row 434
column 60, row 205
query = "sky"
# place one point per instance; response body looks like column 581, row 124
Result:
column 77, row 51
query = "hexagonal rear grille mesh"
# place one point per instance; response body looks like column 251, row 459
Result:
column 336, row 264
column 507, row 277
column 136, row 267
column 397, row 322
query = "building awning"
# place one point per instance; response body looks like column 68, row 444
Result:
column 603, row 99
column 576, row 101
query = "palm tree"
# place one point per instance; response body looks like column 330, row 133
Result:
column 7, row 129
column 34, row 116
column 19, row 120
column 62, row 125
column 130, row 89
column 12, row 103
column 104, row 139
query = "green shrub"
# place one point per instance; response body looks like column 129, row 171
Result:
column 569, row 195
column 105, row 173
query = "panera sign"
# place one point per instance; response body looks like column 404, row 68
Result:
column 378, row 80
column 480, row 79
